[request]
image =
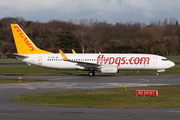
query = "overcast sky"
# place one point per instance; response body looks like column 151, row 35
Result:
column 112, row 11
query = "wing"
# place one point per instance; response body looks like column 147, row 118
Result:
column 80, row 63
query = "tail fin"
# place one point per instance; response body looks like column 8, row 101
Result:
column 23, row 44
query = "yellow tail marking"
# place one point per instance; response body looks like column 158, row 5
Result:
column 63, row 56
column 73, row 51
column 23, row 44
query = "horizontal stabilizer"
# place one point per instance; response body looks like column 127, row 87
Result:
column 15, row 54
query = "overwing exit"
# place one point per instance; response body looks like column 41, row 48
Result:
column 105, row 63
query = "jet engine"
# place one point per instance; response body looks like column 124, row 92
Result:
column 109, row 69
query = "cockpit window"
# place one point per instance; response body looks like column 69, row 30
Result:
column 164, row 59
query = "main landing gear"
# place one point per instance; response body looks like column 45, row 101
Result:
column 157, row 73
column 91, row 73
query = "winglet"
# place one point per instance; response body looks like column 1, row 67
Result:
column 73, row 51
column 63, row 56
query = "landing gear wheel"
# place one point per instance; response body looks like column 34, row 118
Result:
column 157, row 73
column 91, row 73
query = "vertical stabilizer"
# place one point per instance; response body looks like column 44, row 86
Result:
column 23, row 44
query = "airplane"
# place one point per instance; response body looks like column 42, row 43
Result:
column 105, row 63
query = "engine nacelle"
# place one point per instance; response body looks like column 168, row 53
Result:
column 109, row 69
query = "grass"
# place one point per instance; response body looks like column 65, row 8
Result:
column 169, row 97
column 34, row 70
column 174, row 58
column 9, row 61
column 4, row 81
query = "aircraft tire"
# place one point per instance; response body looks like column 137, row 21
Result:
column 157, row 73
column 91, row 73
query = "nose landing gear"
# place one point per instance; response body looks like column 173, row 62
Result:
column 159, row 71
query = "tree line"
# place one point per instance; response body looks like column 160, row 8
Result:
column 92, row 36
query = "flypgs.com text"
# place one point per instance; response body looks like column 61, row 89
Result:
column 122, row 60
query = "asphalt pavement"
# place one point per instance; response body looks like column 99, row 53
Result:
column 11, row 110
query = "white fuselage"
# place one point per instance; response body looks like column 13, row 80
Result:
column 122, row 61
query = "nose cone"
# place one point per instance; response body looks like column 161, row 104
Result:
column 171, row 64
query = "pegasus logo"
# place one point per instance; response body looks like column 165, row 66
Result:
column 26, row 40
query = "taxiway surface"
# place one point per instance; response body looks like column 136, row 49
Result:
column 11, row 110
